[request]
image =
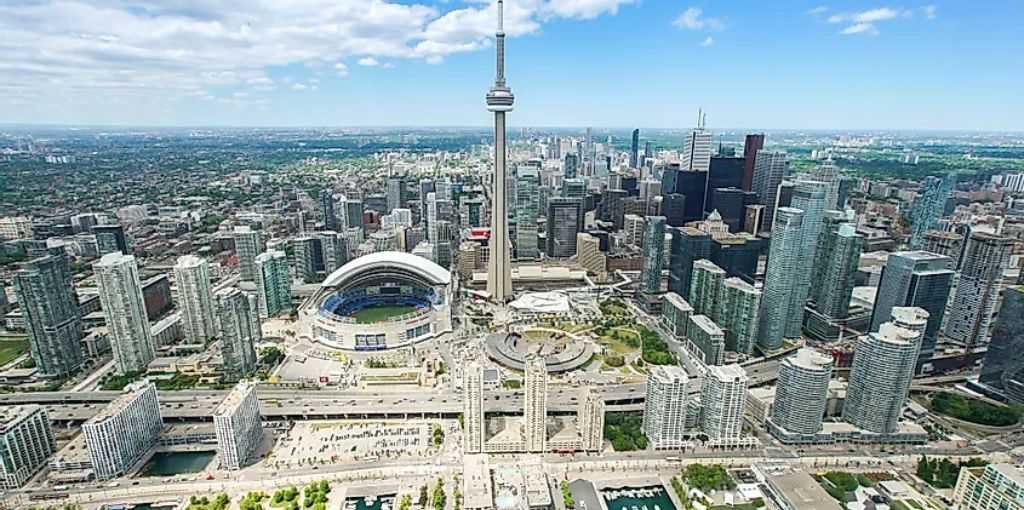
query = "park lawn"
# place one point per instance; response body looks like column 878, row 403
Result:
column 615, row 345
column 11, row 349
column 381, row 313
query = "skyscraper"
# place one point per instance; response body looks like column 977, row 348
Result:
column 915, row 278
column 653, row 255
column 688, row 246
column 770, row 168
column 751, row 144
column 706, row 340
column 195, row 299
column 473, row 408
column 125, row 312
column 977, row 291
column 327, row 209
column 536, row 404
column 1003, row 366
column 809, row 197
column 828, row 173
column 928, row 208
column 272, row 284
column 499, row 101
column 665, row 406
column 527, row 210
column 239, row 331
column 49, row 306
column 706, row 287
column 634, row 150
column 396, row 194
column 248, row 244
column 835, row 267
column 880, row 378
column 802, row 392
column 780, row 277
column 238, row 426
column 738, row 311
column 723, row 398
column 565, row 220
column 697, row 147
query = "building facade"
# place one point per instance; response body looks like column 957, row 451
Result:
column 737, row 314
column 26, row 442
column 239, row 332
column 536, row 404
column 706, row 287
column 1002, row 370
column 665, row 407
column 977, row 291
column 273, row 286
column 248, row 244
column 565, row 220
column 801, row 395
column 993, row 487
column 723, row 398
column 237, row 423
column 49, row 306
column 779, row 281
column 195, row 299
column 880, row 378
column 125, row 312
column 124, row 431
column 653, row 255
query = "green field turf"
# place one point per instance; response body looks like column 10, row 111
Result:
column 10, row 349
column 381, row 313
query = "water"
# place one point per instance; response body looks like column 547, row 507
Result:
column 177, row 463
column 626, row 503
column 377, row 504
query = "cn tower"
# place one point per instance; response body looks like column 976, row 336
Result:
column 499, row 101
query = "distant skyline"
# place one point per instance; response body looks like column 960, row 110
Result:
column 931, row 65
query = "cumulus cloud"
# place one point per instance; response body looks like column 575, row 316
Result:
column 82, row 49
column 694, row 19
column 708, row 41
column 369, row 62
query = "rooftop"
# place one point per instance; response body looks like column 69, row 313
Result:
column 237, row 394
column 801, row 491
column 11, row 416
column 131, row 392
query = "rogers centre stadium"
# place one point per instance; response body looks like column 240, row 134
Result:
column 380, row 301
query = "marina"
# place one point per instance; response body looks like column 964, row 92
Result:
column 637, row 498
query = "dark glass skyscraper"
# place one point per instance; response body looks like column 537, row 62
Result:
column 751, row 145
column 1003, row 367
column 50, row 307
column 110, row 239
column 327, row 210
column 725, row 172
column 634, row 150
column 688, row 246
column 564, row 222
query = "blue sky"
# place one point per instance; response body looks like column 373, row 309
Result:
column 608, row 63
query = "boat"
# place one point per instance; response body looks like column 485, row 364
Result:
column 656, row 507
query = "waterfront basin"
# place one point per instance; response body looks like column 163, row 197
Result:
column 177, row 463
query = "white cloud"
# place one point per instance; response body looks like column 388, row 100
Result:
column 708, row 41
column 299, row 87
column 866, row 22
column 369, row 62
column 817, row 11
column 694, row 19
column 80, row 50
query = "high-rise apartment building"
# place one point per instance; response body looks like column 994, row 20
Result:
column 1002, row 370
column 977, row 291
column 706, row 340
column 248, row 244
column 473, row 409
column 124, row 431
column 49, row 306
column 308, row 256
column 590, row 418
column 706, row 287
column 125, row 312
column 633, row 227
column 26, row 441
column 809, row 197
column 239, row 331
column 738, row 310
column 915, row 278
column 928, row 208
column 801, row 395
column 723, row 398
column 536, row 404
column 665, row 406
column 565, row 220
column 273, row 287
column 238, row 424
column 992, row 487
column 880, row 378
column 835, row 266
column 950, row 244
column 634, row 150
column 330, row 218
column 770, row 168
column 653, row 255
column 195, row 298
column 395, row 193
column 780, row 277
column 590, row 257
